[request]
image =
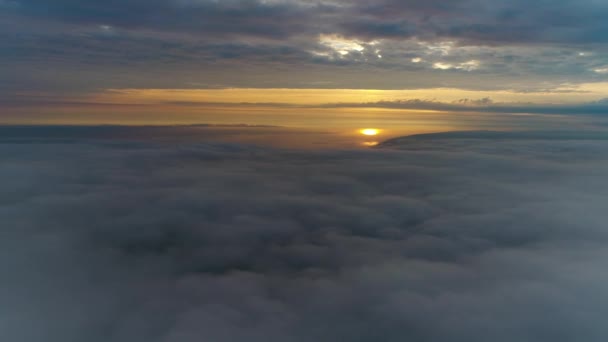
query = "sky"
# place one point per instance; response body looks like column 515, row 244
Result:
column 253, row 61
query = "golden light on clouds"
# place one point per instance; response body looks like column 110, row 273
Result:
column 564, row 95
column 348, row 109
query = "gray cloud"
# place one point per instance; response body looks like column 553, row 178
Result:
column 565, row 21
column 233, row 42
column 211, row 18
column 486, row 105
column 454, row 238
column 493, row 22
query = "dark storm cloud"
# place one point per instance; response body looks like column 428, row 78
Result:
column 466, row 238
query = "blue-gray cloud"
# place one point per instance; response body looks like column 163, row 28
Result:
column 203, row 18
column 491, row 22
column 465, row 43
column 457, row 238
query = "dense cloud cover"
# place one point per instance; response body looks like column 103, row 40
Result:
column 299, row 44
column 486, row 21
column 474, row 237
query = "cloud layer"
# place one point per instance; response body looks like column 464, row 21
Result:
column 243, row 43
column 455, row 238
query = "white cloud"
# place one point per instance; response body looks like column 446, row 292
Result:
column 340, row 44
column 443, row 66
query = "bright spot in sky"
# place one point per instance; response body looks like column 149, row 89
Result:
column 601, row 70
column 369, row 131
column 442, row 66
column 341, row 45
column 467, row 66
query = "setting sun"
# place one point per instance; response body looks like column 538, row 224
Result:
column 369, row 131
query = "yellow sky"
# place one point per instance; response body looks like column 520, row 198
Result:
column 192, row 106
column 564, row 95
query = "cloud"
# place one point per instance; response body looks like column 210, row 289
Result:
column 492, row 22
column 470, row 21
column 448, row 239
column 466, row 66
column 485, row 105
column 602, row 70
column 206, row 18
column 221, row 42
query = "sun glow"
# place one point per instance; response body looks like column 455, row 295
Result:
column 369, row 131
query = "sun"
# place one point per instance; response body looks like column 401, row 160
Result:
column 369, row 131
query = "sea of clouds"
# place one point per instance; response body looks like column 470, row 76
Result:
column 474, row 238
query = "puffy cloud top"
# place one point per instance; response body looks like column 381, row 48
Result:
column 461, row 237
